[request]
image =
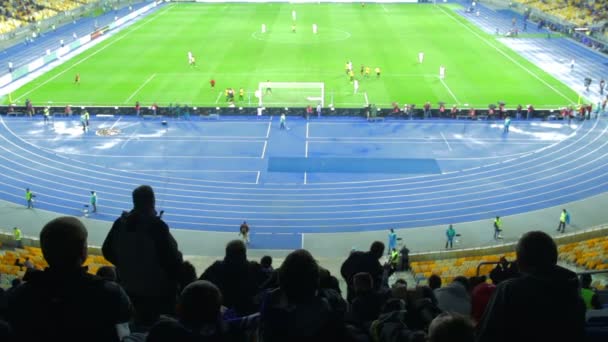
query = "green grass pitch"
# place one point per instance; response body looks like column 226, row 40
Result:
column 147, row 62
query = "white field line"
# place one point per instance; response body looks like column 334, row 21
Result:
column 257, row 178
column 264, row 149
column 306, row 150
column 449, row 90
column 140, row 88
column 218, row 97
column 307, row 128
column 366, row 99
column 384, row 7
column 505, row 54
column 446, row 141
column 268, row 130
column 305, row 177
column 91, row 55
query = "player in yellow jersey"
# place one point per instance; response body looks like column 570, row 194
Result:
column 241, row 94
column 377, row 72
column 351, row 75
column 346, row 69
column 368, row 70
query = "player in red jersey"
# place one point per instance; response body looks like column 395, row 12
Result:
column 77, row 79
column 212, row 82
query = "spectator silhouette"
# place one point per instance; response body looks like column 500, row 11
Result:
column 434, row 282
column 364, row 262
column 64, row 302
column 455, row 296
column 367, row 303
column 543, row 304
column 294, row 312
column 146, row 256
column 237, row 278
column 451, row 327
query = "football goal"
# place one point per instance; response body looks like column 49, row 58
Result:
column 290, row 94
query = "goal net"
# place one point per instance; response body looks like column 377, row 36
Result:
column 286, row 94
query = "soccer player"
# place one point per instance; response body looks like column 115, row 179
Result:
column 356, row 85
column 368, row 70
column 362, row 69
column 293, row 28
column 77, row 79
column 350, row 66
column 293, row 15
column 212, row 83
column 420, row 57
column 241, row 94
column 346, row 68
column 190, row 57
column 351, row 75
column 227, row 93
column 441, row 72
column 268, row 90
column 193, row 62
column 377, row 72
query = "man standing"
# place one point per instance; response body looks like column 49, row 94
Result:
column 282, row 120
column 441, row 72
column 562, row 221
column 543, row 304
column 29, row 198
column 497, row 228
column 450, row 234
column 392, row 240
column 212, row 83
column 17, row 235
column 244, row 232
column 145, row 254
column 319, row 110
column 507, row 124
column 94, row 201
column 602, row 85
column 420, row 57
column 355, row 86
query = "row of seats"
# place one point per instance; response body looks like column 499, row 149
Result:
column 17, row 13
column 591, row 254
column 9, row 257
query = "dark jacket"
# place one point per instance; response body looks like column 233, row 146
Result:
column 362, row 262
column 239, row 281
column 145, row 254
column 535, row 307
column 67, row 307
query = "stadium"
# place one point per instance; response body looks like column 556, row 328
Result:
column 226, row 170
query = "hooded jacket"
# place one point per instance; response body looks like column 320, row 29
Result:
column 544, row 306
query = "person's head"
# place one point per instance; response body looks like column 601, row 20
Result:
column 434, row 281
column 187, row 274
column 92, row 192
column 266, row 261
column 15, row 228
column 236, row 251
column 377, row 249
column 536, row 251
column 363, row 282
column 299, row 276
column 392, row 230
column 27, row 189
column 199, row 304
column 64, row 243
column 586, row 280
column 498, row 217
column 462, row 281
column 451, row 327
column 143, row 198
column 107, row 273
column 450, row 227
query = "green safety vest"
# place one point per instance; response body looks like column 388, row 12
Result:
column 587, row 294
column 28, row 195
column 497, row 223
column 17, row 233
column 93, row 199
column 394, row 257
column 562, row 217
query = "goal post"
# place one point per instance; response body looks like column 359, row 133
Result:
column 296, row 94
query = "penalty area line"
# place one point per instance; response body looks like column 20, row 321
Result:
column 218, row 97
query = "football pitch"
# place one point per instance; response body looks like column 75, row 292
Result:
column 147, row 62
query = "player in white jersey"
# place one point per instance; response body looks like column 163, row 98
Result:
column 350, row 66
column 190, row 57
column 293, row 15
column 356, row 85
column 420, row 57
column 442, row 72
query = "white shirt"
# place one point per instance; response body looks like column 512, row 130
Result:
column 293, row 15
column 441, row 70
column 189, row 55
column 350, row 65
column 356, row 84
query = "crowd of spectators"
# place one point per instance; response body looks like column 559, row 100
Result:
column 152, row 294
column 17, row 13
